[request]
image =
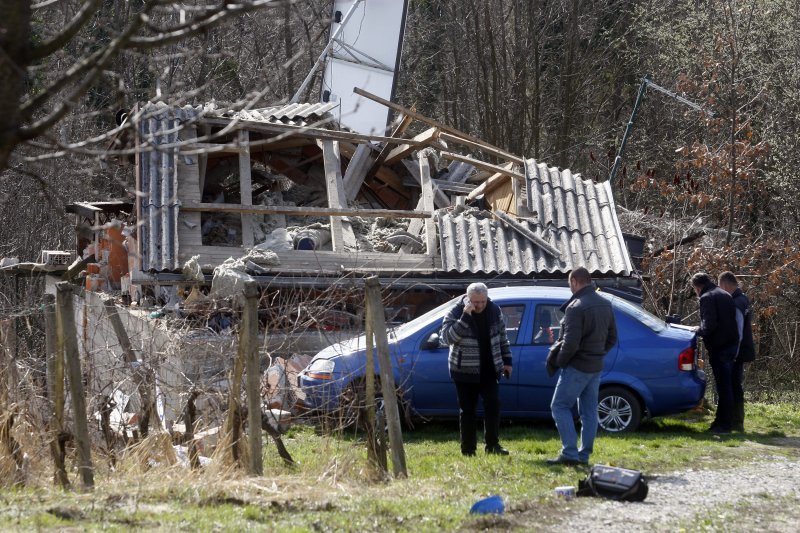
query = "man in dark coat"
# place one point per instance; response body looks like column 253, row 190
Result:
column 747, row 351
column 479, row 354
column 588, row 331
column 721, row 337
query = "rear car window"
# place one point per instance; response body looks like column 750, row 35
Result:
column 547, row 323
column 634, row 311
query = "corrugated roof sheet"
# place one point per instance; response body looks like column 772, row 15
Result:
column 297, row 114
column 575, row 216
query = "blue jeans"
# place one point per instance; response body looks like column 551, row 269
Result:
column 576, row 386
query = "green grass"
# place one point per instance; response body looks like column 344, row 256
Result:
column 332, row 489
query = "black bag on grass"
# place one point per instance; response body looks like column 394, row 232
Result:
column 614, row 483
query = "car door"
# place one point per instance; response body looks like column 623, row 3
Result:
column 535, row 386
column 433, row 391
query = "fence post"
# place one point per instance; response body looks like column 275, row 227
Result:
column 375, row 452
column 55, row 390
column 68, row 337
column 376, row 314
column 248, row 349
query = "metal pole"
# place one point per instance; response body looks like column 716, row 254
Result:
column 324, row 53
column 628, row 128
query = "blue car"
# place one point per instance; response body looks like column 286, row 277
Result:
column 651, row 371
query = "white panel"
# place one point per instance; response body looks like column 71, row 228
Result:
column 355, row 112
column 374, row 28
column 374, row 32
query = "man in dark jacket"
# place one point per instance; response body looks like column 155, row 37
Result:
column 588, row 331
column 721, row 337
column 747, row 351
column 479, row 355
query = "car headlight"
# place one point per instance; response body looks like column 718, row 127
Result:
column 320, row 369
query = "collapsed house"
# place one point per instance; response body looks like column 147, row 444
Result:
column 284, row 197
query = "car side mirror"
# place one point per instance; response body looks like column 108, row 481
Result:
column 433, row 342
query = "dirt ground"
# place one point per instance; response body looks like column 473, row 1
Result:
column 760, row 495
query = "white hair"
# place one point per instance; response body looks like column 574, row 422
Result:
column 478, row 288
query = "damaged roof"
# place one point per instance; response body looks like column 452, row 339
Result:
column 577, row 217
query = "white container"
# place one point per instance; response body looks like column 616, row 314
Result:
column 566, row 492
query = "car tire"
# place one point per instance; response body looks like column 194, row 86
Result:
column 618, row 410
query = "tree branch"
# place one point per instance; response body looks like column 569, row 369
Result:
column 58, row 41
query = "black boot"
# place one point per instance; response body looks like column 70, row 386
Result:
column 738, row 417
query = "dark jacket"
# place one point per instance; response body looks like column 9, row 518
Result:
column 747, row 349
column 588, row 331
column 717, row 319
column 464, row 360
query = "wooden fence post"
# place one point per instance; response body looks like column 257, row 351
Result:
column 373, row 293
column 55, row 390
column 376, row 453
column 68, row 337
column 248, row 349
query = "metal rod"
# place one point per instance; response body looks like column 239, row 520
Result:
column 324, row 54
column 628, row 128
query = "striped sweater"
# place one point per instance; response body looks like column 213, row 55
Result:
column 458, row 330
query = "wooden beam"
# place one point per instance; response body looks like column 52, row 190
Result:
column 440, row 199
column 300, row 211
column 482, row 164
column 431, row 122
column 528, row 234
column 482, row 146
column 246, row 188
column 357, row 169
column 427, row 202
column 489, row 185
column 397, row 133
column 404, row 150
column 342, row 236
column 285, row 131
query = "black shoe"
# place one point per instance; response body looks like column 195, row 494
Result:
column 717, row 430
column 468, row 453
column 496, row 450
column 561, row 460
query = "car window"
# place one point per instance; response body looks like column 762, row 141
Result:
column 513, row 315
column 547, row 323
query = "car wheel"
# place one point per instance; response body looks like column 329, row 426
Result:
column 618, row 410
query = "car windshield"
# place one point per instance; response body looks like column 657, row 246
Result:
column 648, row 319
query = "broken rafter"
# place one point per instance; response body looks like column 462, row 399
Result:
column 191, row 207
column 404, row 150
column 431, row 122
column 482, row 164
column 527, row 233
column 397, row 133
column 483, row 147
column 490, row 184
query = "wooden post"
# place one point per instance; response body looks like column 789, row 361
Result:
column 427, row 202
column 248, row 349
column 373, row 295
column 68, row 338
column 55, row 390
column 333, row 182
column 245, row 187
column 189, row 419
column 376, row 454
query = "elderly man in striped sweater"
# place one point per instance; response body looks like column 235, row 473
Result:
column 479, row 355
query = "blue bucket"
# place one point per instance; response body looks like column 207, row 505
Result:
column 490, row 505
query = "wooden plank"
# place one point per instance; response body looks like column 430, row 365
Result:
column 440, row 199
column 55, row 389
column 427, row 202
column 528, row 234
column 404, row 150
column 482, row 146
column 333, row 184
column 495, row 180
column 482, row 164
column 248, row 349
column 191, row 207
column 246, row 188
column 322, row 261
column 68, row 338
column 286, row 131
column 397, row 133
column 422, row 118
column 356, row 171
column 391, row 408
